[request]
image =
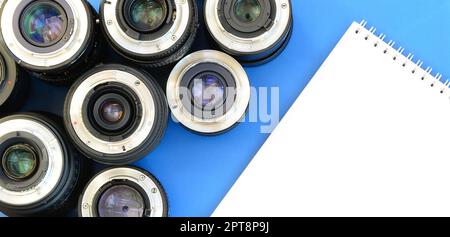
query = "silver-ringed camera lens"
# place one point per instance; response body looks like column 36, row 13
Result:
column 53, row 38
column 208, row 92
column 39, row 170
column 116, row 114
column 151, row 32
column 253, row 31
column 123, row 192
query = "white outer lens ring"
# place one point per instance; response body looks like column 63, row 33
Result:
column 168, row 40
column 55, row 162
column 144, row 128
column 248, row 45
column 234, row 114
column 72, row 47
column 151, row 189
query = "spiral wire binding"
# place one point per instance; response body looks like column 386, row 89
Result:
column 415, row 66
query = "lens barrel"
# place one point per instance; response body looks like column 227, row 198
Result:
column 14, row 83
column 116, row 114
column 54, row 39
column 123, row 192
column 40, row 171
column 152, row 33
column 253, row 31
column 208, row 92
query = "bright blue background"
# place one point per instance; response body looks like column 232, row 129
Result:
column 197, row 171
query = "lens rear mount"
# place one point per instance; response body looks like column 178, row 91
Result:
column 48, row 188
column 208, row 120
column 148, row 199
column 14, row 84
column 150, row 44
column 52, row 39
column 251, row 36
column 142, row 124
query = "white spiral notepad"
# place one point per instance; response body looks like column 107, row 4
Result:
column 369, row 136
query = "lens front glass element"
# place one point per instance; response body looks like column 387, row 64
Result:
column 148, row 15
column 247, row 11
column 208, row 91
column 121, row 201
column 19, row 162
column 112, row 111
column 43, row 24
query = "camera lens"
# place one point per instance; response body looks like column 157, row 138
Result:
column 40, row 172
column 52, row 38
column 123, row 192
column 208, row 92
column 153, row 33
column 116, row 114
column 253, row 31
column 14, row 84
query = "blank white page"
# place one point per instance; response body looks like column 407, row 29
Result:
column 367, row 137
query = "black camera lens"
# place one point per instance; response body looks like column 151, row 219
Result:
column 52, row 38
column 123, row 192
column 153, row 33
column 253, row 31
column 40, row 172
column 116, row 114
column 14, row 84
column 208, row 92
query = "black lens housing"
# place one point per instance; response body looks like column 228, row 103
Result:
column 85, row 56
column 14, row 84
column 126, row 128
column 63, row 197
column 251, row 30
column 156, row 59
